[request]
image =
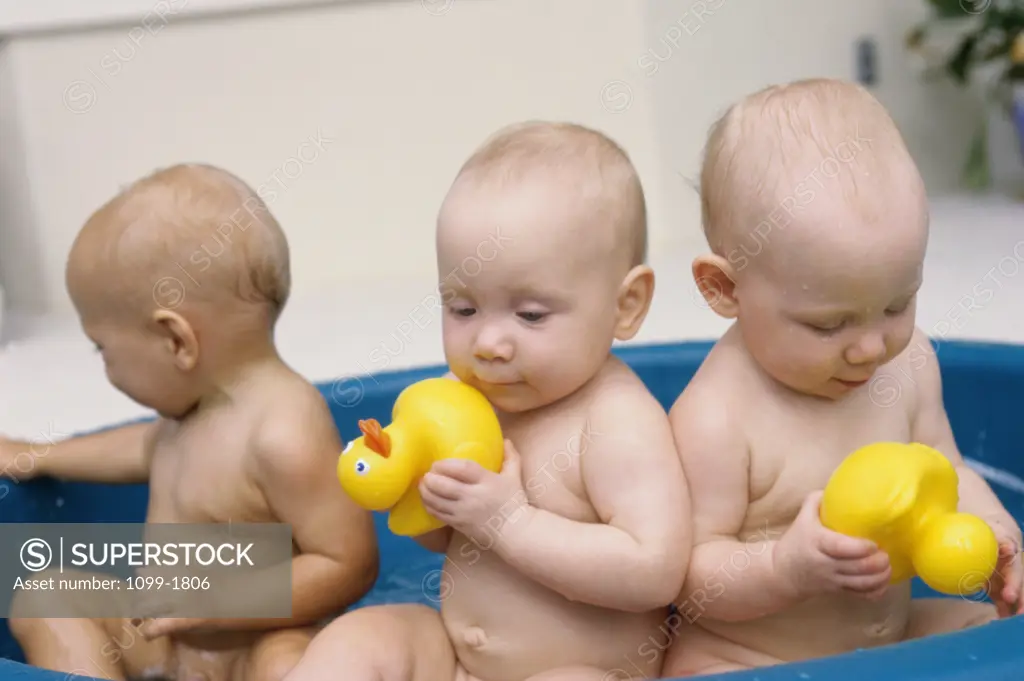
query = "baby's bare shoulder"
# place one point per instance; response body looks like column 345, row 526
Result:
column 711, row 402
column 621, row 408
column 295, row 428
column 709, row 424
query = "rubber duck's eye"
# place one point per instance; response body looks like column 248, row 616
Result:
column 362, row 467
column 348, row 446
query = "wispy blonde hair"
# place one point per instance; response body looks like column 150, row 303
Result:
column 758, row 149
column 598, row 167
column 199, row 225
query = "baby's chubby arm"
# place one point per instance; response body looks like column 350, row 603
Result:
column 293, row 465
column 715, row 458
column 635, row 558
column 931, row 427
column 117, row 455
column 338, row 561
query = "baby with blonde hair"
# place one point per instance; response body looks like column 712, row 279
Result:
column 817, row 222
column 179, row 281
column 562, row 566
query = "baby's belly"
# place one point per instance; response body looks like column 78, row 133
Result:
column 822, row 627
column 506, row 627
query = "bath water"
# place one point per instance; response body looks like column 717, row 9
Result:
column 1009, row 487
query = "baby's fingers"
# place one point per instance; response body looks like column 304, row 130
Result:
column 442, row 486
column 843, row 547
column 872, row 585
column 436, row 506
column 463, row 470
column 833, row 544
column 876, row 563
column 1012, row 572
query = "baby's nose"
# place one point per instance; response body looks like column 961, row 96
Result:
column 868, row 350
column 497, row 353
column 492, row 346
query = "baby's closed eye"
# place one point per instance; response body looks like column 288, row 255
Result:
column 899, row 308
column 532, row 315
column 827, row 327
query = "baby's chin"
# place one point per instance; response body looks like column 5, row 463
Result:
column 519, row 397
column 810, row 384
column 511, row 399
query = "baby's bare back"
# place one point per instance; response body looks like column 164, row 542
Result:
column 505, row 626
column 794, row 444
column 202, row 471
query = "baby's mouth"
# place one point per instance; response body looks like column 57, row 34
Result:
column 500, row 384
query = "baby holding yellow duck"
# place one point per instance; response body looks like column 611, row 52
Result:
column 817, row 223
column 565, row 573
column 558, row 567
column 566, row 581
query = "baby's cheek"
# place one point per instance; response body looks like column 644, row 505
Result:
column 898, row 341
column 817, row 357
column 828, row 356
column 457, row 346
column 550, row 360
column 114, row 375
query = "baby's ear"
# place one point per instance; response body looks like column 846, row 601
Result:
column 714, row 278
column 180, row 338
column 634, row 301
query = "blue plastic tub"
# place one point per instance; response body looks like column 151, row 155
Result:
column 984, row 391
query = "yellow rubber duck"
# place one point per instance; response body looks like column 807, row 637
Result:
column 904, row 498
column 433, row 419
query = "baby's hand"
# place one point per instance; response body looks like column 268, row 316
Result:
column 16, row 459
column 813, row 559
column 164, row 612
column 473, row 500
column 1004, row 589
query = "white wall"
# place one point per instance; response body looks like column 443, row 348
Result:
column 744, row 45
column 404, row 89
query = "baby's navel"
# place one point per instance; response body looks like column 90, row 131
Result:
column 475, row 637
column 882, row 629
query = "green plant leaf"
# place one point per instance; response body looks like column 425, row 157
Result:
column 988, row 36
column 1000, row 50
column 947, row 9
column 977, row 175
column 916, row 37
column 959, row 64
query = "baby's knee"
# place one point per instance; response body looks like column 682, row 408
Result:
column 930, row 616
column 275, row 667
column 581, row 674
column 22, row 628
column 275, row 656
column 30, row 609
column 379, row 642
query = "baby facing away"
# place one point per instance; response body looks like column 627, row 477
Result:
column 563, row 565
column 240, row 436
column 817, row 222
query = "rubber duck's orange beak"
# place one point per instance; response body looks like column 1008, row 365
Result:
column 376, row 439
